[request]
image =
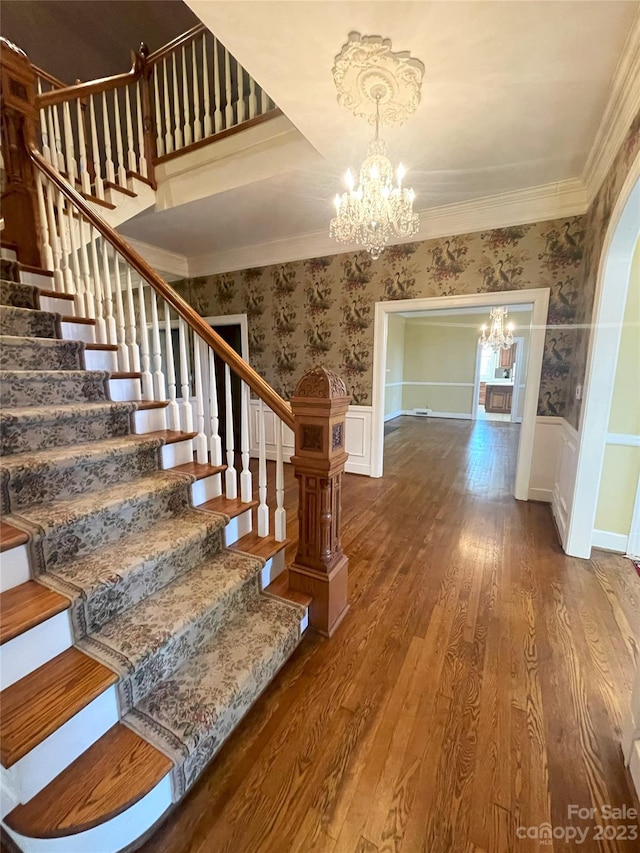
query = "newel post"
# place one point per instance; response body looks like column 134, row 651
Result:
column 320, row 569
column 19, row 121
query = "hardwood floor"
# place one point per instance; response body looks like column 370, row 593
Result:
column 476, row 686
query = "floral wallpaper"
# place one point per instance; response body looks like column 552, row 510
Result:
column 320, row 311
column 596, row 223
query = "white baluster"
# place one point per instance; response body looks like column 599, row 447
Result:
column 69, row 148
column 200, row 441
column 142, row 160
column 147, row 378
column 185, row 384
column 132, row 341
column 208, row 128
column 55, row 162
column 89, row 303
column 264, row 102
column 230, row 475
column 98, row 183
column 79, row 284
column 240, row 107
column 263, row 509
column 160, row 391
column 197, row 124
column 168, row 136
column 65, row 255
column 85, row 178
column 107, row 301
column 44, row 133
column 280, row 520
column 98, row 298
column 54, row 234
column 177, row 132
column 228, row 110
column 215, row 445
column 158, row 111
column 132, row 163
column 246, row 485
column 58, row 138
column 217, row 88
column 45, row 241
column 123, row 351
column 188, row 135
column 109, row 170
column 253, row 101
column 122, row 171
column 174, row 409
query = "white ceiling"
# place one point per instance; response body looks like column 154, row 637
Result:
column 513, row 95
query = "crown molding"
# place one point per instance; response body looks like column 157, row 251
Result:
column 534, row 204
column 161, row 259
column 623, row 104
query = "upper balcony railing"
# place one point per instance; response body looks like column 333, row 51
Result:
column 101, row 133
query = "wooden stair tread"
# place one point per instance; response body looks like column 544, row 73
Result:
column 11, row 537
column 170, row 436
column 85, row 321
column 139, row 177
column 105, row 347
column 36, row 270
column 53, row 294
column 27, row 605
column 227, row 507
column 38, row 704
column 114, row 773
column 109, row 185
column 280, row 587
column 261, row 546
column 150, row 404
column 124, row 374
column 198, row 470
column 99, row 201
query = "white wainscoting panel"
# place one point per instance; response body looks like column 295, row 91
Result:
column 565, row 479
column 544, row 462
column 357, row 439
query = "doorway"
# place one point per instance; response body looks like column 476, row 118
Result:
column 496, row 369
column 537, row 298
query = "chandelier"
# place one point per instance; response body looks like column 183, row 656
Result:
column 501, row 333
column 382, row 87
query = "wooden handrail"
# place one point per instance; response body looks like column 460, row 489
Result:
column 178, row 41
column 248, row 375
column 58, row 84
column 92, row 87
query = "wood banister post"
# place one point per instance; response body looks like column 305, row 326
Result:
column 148, row 111
column 320, row 569
column 19, row 122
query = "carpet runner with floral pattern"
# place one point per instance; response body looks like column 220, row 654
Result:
column 154, row 593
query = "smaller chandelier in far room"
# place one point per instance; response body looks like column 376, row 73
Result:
column 500, row 334
column 382, row 87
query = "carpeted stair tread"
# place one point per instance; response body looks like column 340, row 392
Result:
column 29, row 428
column 28, row 322
column 22, row 388
column 63, row 472
column 24, row 606
column 38, row 704
column 190, row 714
column 108, row 581
column 118, row 770
column 18, row 295
column 150, row 640
column 21, row 353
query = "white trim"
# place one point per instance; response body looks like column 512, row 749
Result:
column 518, row 207
column 623, row 103
column 608, row 315
column 446, row 384
column 633, row 545
column 538, row 297
column 233, row 320
column 393, row 415
column 544, row 495
column 161, row 259
column 609, row 541
column 623, row 439
column 458, row 416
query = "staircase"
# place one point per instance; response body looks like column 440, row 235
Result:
column 133, row 637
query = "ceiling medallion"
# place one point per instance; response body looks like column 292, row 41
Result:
column 382, row 87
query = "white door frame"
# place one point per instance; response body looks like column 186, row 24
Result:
column 614, row 272
column 516, row 382
column 517, row 373
column 538, row 297
column 234, row 320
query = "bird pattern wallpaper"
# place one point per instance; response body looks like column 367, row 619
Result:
column 320, row 311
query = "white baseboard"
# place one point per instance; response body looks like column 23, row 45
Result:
column 610, row 541
column 393, row 415
column 545, row 495
column 460, row 416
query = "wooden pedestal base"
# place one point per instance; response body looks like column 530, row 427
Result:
column 329, row 593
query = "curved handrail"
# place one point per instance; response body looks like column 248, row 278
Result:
column 91, row 87
column 44, row 75
column 178, row 41
column 248, row 375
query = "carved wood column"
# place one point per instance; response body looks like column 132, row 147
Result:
column 320, row 569
column 19, row 119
